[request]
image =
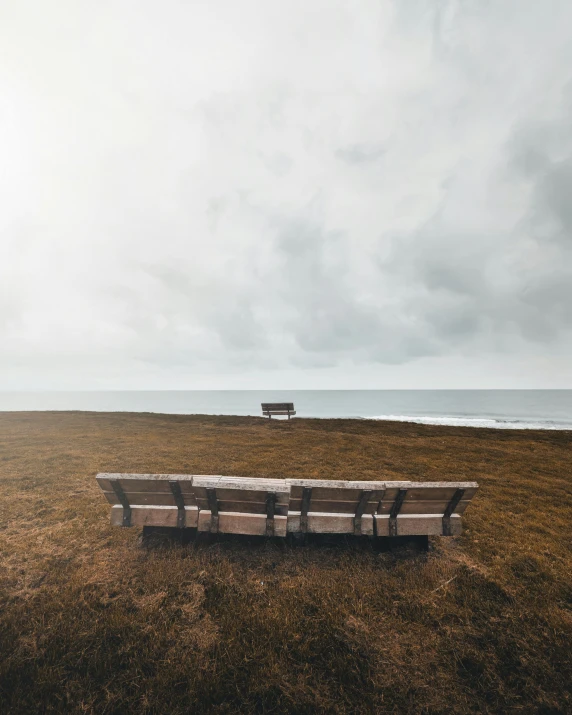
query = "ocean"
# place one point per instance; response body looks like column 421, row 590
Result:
column 503, row 409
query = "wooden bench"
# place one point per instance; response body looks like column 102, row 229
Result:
column 277, row 408
column 275, row 507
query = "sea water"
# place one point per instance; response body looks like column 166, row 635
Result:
column 505, row 409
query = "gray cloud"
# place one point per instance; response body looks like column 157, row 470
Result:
column 359, row 154
column 196, row 195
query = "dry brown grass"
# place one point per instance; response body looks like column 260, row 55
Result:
column 93, row 621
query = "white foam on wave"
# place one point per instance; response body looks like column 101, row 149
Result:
column 474, row 422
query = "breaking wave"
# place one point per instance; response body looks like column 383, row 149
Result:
column 475, row 422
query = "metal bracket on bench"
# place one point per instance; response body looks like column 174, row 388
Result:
column 270, row 507
column 451, row 506
column 180, row 502
column 361, row 507
column 306, row 498
column 213, row 506
column 395, row 509
column 120, row 494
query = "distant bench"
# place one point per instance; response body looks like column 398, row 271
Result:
column 277, row 408
column 275, row 507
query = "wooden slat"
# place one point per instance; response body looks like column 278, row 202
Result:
column 417, row 524
column 145, row 498
column 246, row 507
column 335, row 507
column 223, row 479
column 331, row 490
column 421, row 492
column 160, row 480
column 137, row 485
column 257, row 495
column 144, row 475
column 277, row 406
column 422, row 507
column 430, row 490
column 232, row 523
column 239, row 483
column 155, row 516
column 329, row 523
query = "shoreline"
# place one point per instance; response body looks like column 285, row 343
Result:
column 473, row 423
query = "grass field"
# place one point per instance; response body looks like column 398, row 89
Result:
column 94, row 621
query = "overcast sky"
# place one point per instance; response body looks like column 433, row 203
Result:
column 271, row 194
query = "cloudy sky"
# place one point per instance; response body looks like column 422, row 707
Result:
column 270, row 194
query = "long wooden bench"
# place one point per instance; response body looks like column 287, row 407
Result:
column 277, row 408
column 275, row 507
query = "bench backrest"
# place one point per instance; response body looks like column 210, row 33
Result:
column 145, row 489
column 277, row 406
column 239, row 505
column 150, row 499
column 274, row 506
column 334, row 506
column 431, row 508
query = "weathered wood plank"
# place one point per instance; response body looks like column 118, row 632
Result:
column 420, row 492
column 242, row 484
column 143, row 475
column 253, row 495
column 246, row 507
column 334, row 507
column 331, row 489
column 422, row 507
column 155, row 516
column 320, row 523
column 233, row 523
column 150, row 499
column 431, row 485
column 417, row 525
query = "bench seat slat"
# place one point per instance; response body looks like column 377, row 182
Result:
column 324, row 523
column 155, row 516
column 234, row 523
column 149, row 499
column 417, row 525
